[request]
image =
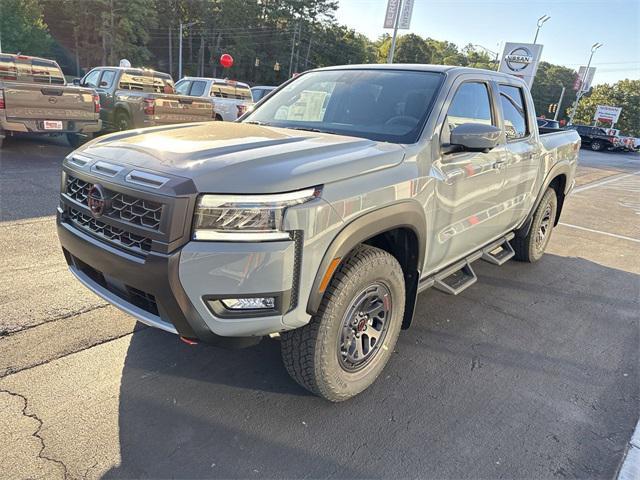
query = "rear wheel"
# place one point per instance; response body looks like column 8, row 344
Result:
column 531, row 247
column 122, row 121
column 597, row 145
column 349, row 341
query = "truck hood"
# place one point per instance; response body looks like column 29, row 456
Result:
column 223, row 157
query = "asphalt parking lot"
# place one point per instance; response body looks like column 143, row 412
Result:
column 533, row 372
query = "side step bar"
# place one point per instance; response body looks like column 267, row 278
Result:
column 456, row 279
column 460, row 276
column 498, row 253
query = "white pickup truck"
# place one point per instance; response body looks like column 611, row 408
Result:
column 230, row 99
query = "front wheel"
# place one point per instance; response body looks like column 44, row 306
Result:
column 531, row 247
column 597, row 145
column 348, row 342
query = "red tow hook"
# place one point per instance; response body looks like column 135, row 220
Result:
column 189, row 341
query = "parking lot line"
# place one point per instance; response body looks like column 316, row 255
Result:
column 600, row 232
column 603, row 182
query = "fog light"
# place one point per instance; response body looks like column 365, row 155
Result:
column 255, row 303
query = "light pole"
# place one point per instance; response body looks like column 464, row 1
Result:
column 583, row 80
column 541, row 22
column 180, row 49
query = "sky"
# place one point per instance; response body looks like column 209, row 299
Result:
column 567, row 37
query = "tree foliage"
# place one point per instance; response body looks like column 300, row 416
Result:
column 269, row 39
column 23, row 28
column 625, row 94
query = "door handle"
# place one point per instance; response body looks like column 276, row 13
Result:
column 499, row 163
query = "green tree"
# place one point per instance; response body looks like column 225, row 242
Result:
column 412, row 48
column 23, row 28
column 547, row 87
column 625, row 94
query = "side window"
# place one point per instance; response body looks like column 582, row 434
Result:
column 91, row 80
column 182, row 88
column 514, row 111
column 470, row 104
column 197, row 88
column 46, row 72
column 107, row 78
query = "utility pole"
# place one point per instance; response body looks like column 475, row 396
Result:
column 541, row 21
column 306, row 60
column 395, row 32
column 555, row 117
column 180, row 53
column 581, row 92
column 170, row 52
column 293, row 46
column 180, row 48
column 295, row 70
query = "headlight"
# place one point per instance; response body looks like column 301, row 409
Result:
column 246, row 217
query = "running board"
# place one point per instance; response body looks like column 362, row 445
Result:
column 460, row 275
column 499, row 252
column 456, row 279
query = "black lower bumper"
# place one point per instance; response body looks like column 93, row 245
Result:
column 150, row 282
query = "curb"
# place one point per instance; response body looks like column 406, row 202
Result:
column 630, row 469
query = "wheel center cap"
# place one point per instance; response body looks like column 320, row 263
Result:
column 362, row 324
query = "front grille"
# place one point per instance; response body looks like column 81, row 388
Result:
column 129, row 209
column 108, row 232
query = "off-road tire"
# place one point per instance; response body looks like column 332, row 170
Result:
column 526, row 247
column 310, row 353
column 122, row 121
column 597, row 146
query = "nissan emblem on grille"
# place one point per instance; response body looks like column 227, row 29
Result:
column 97, row 200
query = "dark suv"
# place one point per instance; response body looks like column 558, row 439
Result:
column 594, row 137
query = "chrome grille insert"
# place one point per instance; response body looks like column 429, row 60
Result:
column 110, row 233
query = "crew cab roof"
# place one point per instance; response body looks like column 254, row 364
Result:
column 220, row 81
column 447, row 69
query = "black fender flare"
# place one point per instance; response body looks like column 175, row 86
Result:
column 406, row 214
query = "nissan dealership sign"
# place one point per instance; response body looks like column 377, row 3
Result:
column 521, row 59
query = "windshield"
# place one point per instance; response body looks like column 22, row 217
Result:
column 383, row 105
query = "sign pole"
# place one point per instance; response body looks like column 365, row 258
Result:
column 581, row 92
column 555, row 117
column 395, row 32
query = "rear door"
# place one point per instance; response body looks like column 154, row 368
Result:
column 468, row 195
column 39, row 93
column 523, row 152
column 180, row 108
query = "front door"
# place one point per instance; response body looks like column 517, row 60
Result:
column 468, row 184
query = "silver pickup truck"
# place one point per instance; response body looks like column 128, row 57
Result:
column 35, row 99
column 137, row 98
column 319, row 216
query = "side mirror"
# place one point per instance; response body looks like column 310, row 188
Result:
column 475, row 137
column 103, row 84
column 76, row 82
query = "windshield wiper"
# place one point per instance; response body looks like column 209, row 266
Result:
column 310, row 129
column 256, row 122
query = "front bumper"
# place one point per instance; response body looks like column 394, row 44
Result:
column 170, row 291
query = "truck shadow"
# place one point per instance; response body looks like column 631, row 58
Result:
column 526, row 374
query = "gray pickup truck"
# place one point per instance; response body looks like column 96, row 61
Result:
column 35, row 99
column 320, row 215
column 137, row 98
